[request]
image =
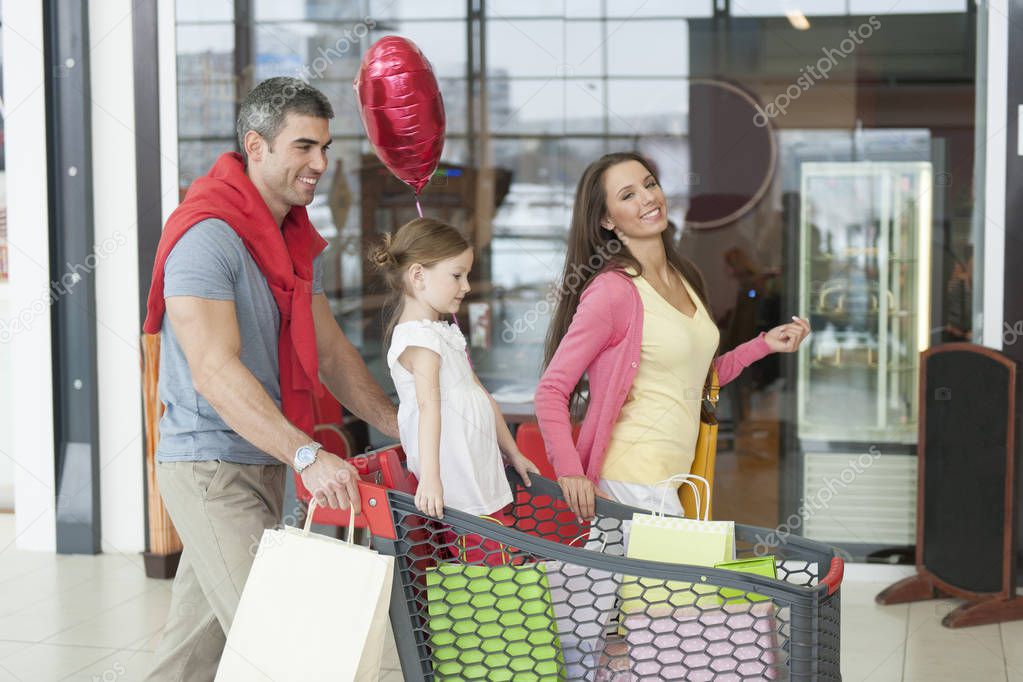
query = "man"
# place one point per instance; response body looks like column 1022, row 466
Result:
column 247, row 336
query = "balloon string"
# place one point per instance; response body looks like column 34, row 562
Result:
column 419, row 208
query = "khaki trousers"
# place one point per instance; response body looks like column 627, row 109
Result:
column 220, row 510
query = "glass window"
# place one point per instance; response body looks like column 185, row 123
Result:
column 780, row 8
column 660, row 8
column 569, row 80
column 320, row 10
column 498, row 9
column 388, row 10
column 206, row 88
column 443, row 43
column 523, row 47
column 307, row 50
column 585, row 105
column 638, row 107
column 584, row 48
column 906, row 6
column 648, row 48
column 195, row 157
column 527, row 106
column 205, row 52
column 203, row 10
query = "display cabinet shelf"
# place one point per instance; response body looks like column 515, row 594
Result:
column 863, row 285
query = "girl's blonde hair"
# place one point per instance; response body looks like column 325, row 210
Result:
column 422, row 240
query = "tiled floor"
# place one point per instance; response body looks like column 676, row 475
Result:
column 99, row 618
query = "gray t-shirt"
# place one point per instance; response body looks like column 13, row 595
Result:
column 211, row 261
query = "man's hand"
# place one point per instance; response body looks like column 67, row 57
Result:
column 332, row 481
column 430, row 496
column 580, row 492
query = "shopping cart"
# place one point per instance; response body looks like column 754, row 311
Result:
column 521, row 607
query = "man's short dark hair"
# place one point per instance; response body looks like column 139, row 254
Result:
column 268, row 104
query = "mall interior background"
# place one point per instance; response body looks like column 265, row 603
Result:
column 856, row 207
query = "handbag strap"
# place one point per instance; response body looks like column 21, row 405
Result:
column 711, row 391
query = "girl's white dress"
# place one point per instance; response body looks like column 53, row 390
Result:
column 471, row 466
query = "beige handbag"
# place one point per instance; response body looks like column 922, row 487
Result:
column 706, row 448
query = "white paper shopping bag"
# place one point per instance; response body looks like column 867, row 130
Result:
column 313, row 608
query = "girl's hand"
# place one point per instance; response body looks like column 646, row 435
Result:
column 787, row 337
column 430, row 497
column 524, row 466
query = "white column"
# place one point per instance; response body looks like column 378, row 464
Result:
column 6, row 390
column 118, row 325
column 28, row 333
column 167, row 30
column 992, row 260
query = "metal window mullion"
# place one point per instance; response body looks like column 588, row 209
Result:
column 72, row 292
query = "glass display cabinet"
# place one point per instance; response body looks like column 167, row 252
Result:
column 864, row 285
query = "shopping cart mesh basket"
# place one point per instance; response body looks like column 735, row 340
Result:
column 547, row 598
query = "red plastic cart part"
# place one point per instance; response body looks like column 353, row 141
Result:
column 834, row 577
column 366, row 464
column 377, row 510
column 395, row 476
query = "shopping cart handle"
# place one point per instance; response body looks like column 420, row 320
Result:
column 377, row 510
column 834, row 577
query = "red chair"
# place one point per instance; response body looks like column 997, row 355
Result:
column 530, row 443
column 542, row 516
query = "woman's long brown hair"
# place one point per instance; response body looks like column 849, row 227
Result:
column 592, row 249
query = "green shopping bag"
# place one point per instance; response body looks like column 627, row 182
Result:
column 673, row 540
column 492, row 623
column 764, row 565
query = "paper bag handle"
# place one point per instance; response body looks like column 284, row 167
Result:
column 688, row 480
column 309, row 520
column 603, row 532
column 504, row 547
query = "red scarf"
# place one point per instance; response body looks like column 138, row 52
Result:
column 284, row 256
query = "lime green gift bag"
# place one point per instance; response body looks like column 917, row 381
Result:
column 492, row 623
column 669, row 539
column 764, row 565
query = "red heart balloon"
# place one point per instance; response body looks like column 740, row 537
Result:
column 402, row 109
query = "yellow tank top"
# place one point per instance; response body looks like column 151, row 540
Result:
column 656, row 431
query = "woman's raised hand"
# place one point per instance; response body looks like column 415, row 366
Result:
column 580, row 493
column 787, row 337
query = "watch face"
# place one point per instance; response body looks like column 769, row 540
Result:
column 304, row 456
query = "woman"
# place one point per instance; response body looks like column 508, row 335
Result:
column 638, row 325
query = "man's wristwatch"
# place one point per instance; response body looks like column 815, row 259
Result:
column 306, row 455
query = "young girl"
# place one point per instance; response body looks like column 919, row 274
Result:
column 639, row 327
column 451, row 429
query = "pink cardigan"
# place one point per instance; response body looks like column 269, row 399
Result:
column 603, row 341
